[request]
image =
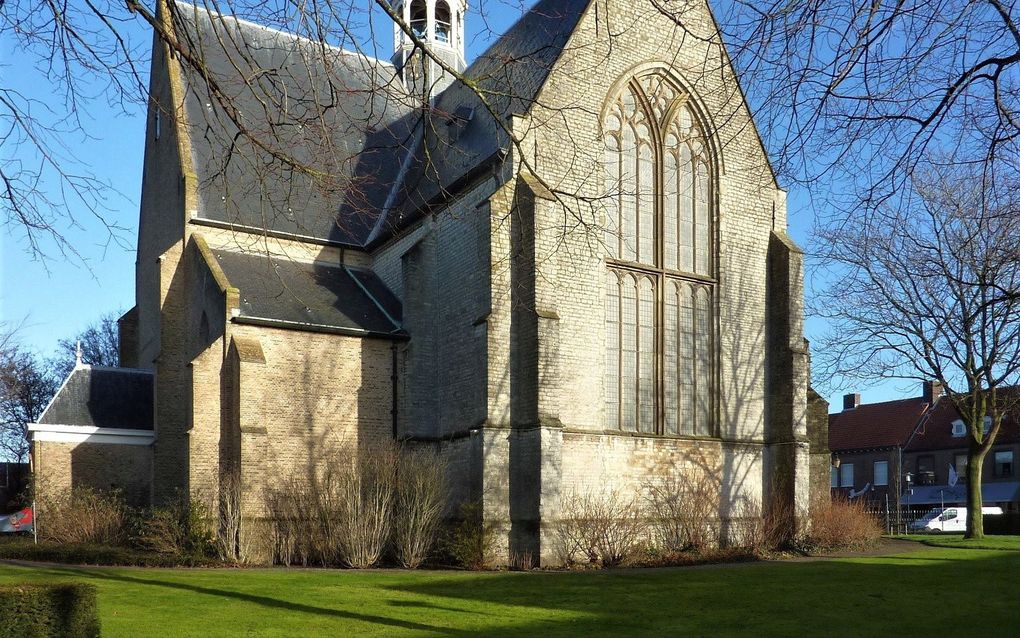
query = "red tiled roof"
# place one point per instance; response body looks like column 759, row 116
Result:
column 875, row 425
column 936, row 432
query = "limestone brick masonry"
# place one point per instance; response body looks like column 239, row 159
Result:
column 499, row 359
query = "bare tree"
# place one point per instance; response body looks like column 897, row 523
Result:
column 854, row 94
column 100, row 346
column 26, row 386
column 930, row 289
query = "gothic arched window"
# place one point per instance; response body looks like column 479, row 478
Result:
column 660, row 329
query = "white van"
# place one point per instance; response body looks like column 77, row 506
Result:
column 949, row 519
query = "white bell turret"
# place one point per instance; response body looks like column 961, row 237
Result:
column 439, row 25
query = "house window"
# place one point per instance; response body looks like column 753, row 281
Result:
column 846, row 475
column 926, row 470
column 833, row 476
column 1004, row 463
column 988, row 425
column 960, row 462
column 959, row 429
column 881, row 476
column 660, row 318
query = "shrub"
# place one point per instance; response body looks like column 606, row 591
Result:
column 418, row 505
column 471, row 539
column 605, row 529
column 365, row 494
column 178, row 528
column 49, row 610
column 86, row 516
column 231, row 544
column 765, row 530
column 683, row 508
column 72, row 554
column 843, row 524
column 341, row 515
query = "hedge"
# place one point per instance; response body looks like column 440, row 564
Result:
column 25, row 549
column 49, row 611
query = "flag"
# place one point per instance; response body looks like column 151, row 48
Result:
column 954, row 478
column 17, row 522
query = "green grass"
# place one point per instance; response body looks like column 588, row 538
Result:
column 1010, row 543
column 974, row 589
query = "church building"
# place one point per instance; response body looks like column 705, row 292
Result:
column 563, row 266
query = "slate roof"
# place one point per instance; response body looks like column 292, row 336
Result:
column 120, row 398
column 319, row 97
column 310, row 295
column 339, row 113
column 463, row 134
column 875, row 425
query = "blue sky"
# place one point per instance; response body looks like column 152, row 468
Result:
column 55, row 298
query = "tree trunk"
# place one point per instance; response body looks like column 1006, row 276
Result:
column 975, row 462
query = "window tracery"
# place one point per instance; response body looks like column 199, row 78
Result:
column 659, row 303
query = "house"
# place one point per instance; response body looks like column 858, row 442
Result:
column 568, row 274
column 904, row 453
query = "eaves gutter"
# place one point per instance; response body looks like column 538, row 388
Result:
column 320, row 328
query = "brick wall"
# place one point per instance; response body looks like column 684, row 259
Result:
column 101, row 466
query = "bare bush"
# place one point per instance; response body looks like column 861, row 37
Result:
column 342, row 514
column 233, row 543
column 418, row 505
column 471, row 539
column 605, row 529
column 365, row 494
column 683, row 509
column 179, row 528
column 843, row 524
column 764, row 530
column 84, row 516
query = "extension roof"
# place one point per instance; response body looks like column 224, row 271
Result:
column 389, row 161
column 875, row 425
column 310, row 296
column 118, row 398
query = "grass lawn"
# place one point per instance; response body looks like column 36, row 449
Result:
column 932, row 587
column 958, row 541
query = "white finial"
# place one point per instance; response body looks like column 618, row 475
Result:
column 77, row 355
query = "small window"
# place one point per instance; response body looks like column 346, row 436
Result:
column 846, row 475
column 443, row 24
column 833, row 476
column 959, row 429
column 881, row 473
column 1004, row 463
column 949, row 515
column 926, row 470
column 988, row 424
column 156, row 124
column 419, row 18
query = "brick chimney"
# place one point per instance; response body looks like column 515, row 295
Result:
column 851, row 401
column 932, row 390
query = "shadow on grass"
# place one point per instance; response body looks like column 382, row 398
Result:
column 264, row 601
column 866, row 596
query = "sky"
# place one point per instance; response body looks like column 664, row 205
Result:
column 52, row 298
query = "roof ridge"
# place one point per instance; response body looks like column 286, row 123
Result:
column 296, row 36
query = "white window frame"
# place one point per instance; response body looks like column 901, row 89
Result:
column 885, row 470
column 959, row 429
column 846, row 475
